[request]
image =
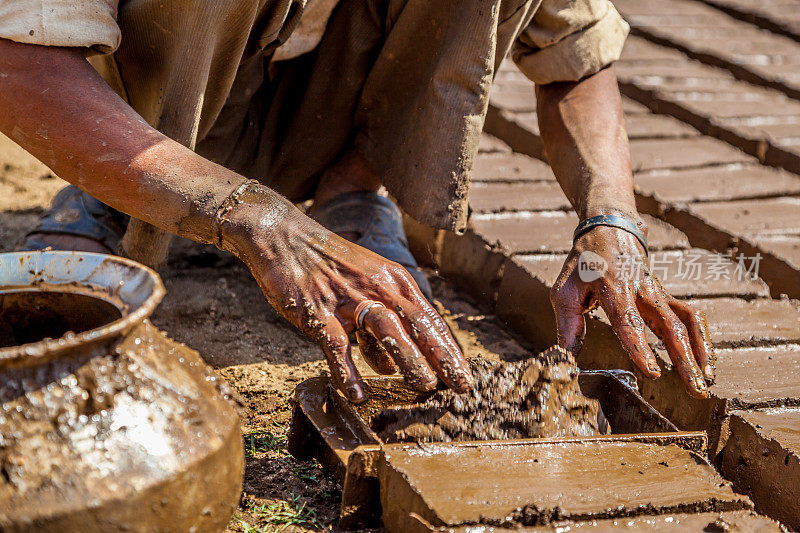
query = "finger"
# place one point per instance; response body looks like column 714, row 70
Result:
column 336, row 346
column 433, row 338
column 620, row 307
column 374, row 354
column 385, row 326
column 570, row 322
column 418, row 301
column 699, row 338
column 665, row 323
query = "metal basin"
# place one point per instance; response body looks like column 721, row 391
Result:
column 105, row 423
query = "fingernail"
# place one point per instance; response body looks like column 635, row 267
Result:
column 700, row 384
column 464, row 385
column 654, row 368
column 708, row 370
column 355, row 394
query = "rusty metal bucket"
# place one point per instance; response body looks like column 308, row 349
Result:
column 105, row 423
column 326, row 426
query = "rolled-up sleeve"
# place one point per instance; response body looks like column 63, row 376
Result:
column 90, row 24
column 568, row 40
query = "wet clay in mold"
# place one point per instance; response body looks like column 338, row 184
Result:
column 537, row 397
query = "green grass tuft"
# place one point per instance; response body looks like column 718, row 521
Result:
column 263, row 441
column 283, row 513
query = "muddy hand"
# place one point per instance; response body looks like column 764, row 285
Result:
column 317, row 280
column 631, row 300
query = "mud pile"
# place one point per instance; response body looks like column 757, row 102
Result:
column 537, row 397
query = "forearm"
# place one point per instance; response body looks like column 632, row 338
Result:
column 53, row 104
column 583, row 130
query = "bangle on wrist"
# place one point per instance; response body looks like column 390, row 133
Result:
column 614, row 221
column 227, row 205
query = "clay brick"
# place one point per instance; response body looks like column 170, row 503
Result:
column 728, row 107
column 665, row 21
column 783, row 127
column 632, row 107
column 638, row 51
column 746, row 378
column 682, row 153
column 758, row 376
column 552, row 232
column 685, row 70
column 773, row 127
column 652, row 126
column 719, row 89
column 510, row 167
column 739, row 521
column 762, row 457
column 527, row 121
column 667, row 7
column 746, row 41
column 671, row 269
column 779, row 272
column 644, row 50
column 790, row 143
column 639, row 476
column 785, row 247
column 737, row 322
column 773, row 216
column 717, row 183
column 491, row 144
column 516, row 96
column 535, row 196
column 519, row 130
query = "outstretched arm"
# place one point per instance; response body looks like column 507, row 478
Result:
column 53, row 104
column 583, row 131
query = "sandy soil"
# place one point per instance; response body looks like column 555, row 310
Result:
column 214, row 306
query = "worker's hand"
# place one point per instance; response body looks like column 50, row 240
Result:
column 630, row 302
column 315, row 279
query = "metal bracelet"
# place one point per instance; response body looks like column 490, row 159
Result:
column 614, row 221
column 227, row 205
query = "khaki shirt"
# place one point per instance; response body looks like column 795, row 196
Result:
column 567, row 39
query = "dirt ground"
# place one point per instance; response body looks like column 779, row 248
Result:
column 214, row 306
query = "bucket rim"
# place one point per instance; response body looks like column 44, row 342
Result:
column 134, row 314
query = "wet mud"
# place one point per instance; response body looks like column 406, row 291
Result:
column 537, row 397
column 31, row 316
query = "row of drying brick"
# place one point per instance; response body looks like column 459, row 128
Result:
column 520, row 233
column 714, row 37
column 718, row 195
column 691, row 179
column 777, row 16
column 759, row 120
